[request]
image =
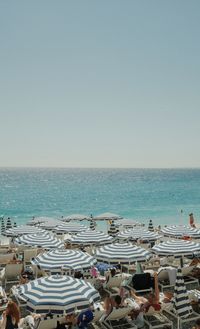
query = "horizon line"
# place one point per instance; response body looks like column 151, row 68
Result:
column 65, row 167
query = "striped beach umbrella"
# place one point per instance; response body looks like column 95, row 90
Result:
column 90, row 237
column 75, row 217
column 8, row 223
column 138, row 234
column 150, row 227
column 180, row 231
column 123, row 253
column 57, row 294
column 181, row 303
column 40, row 240
column 92, row 225
column 113, row 229
column 177, row 248
column 108, row 216
column 22, row 229
column 57, row 259
column 2, row 225
column 127, row 223
column 69, row 228
column 14, row 224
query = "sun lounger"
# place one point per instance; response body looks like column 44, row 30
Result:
column 178, row 321
column 156, row 319
column 11, row 273
column 118, row 319
column 6, row 258
column 29, row 254
column 113, row 283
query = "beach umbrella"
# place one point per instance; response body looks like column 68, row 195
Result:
column 177, row 248
column 108, row 216
column 180, row 231
column 181, row 303
column 57, row 259
column 128, row 223
column 8, row 224
column 15, row 224
column 113, row 229
column 150, row 227
column 57, row 294
column 92, row 225
column 90, row 237
column 69, row 228
column 45, row 222
column 40, row 240
column 75, row 217
column 138, row 234
column 2, row 225
column 123, row 253
column 22, row 229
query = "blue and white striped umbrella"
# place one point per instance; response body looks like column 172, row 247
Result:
column 181, row 301
column 181, row 230
column 57, row 294
column 127, row 223
column 89, row 237
column 176, row 248
column 75, row 217
column 57, row 259
column 112, row 229
column 150, row 227
column 108, row 216
column 123, row 253
column 45, row 240
column 69, row 228
column 23, row 229
column 138, row 234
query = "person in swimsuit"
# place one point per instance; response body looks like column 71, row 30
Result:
column 10, row 317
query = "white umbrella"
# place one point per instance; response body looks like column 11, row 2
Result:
column 177, row 248
column 75, row 217
column 22, row 229
column 69, row 228
column 57, row 294
column 108, row 216
column 57, row 259
column 123, row 253
column 138, row 234
column 181, row 230
column 90, row 237
column 45, row 240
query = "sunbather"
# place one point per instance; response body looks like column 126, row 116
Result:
column 112, row 302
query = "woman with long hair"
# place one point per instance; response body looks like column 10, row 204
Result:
column 10, row 317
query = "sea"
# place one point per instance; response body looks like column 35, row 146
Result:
column 166, row 196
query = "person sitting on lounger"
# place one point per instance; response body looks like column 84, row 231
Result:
column 112, row 302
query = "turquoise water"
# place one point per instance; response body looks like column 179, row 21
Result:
column 141, row 194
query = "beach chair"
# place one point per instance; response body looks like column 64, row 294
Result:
column 118, row 318
column 178, row 321
column 156, row 319
column 6, row 258
column 46, row 323
column 142, row 283
column 113, row 284
column 29, row 254
column 12, row 273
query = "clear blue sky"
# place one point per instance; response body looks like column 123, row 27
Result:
column 100, row 83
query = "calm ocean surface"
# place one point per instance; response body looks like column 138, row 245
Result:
column 141, row 194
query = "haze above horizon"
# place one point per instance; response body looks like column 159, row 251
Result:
column 100, row 84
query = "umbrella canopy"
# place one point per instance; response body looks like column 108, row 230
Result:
column 181, row 301
column 108, row 216
column 22, row 229
column 89, row 237
column 150, row 227
column 128, row 223
column 40, row 240
column 41, row 220
column 69, row 228
column 123, row 253
column 177, row 248
column 57, row 294
column 55, row 260
column 113, row 229
column 138, row 233
column 92, row 225
column 8, row 223
column 181, row 230
column 74, row 217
